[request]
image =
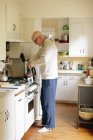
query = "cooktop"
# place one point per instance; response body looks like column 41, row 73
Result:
column 17, row 80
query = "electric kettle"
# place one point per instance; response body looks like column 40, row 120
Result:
column 31, row 72
column 3, row 76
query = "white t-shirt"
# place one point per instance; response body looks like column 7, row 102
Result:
column 47, row 59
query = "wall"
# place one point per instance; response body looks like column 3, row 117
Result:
column 57, row 8
column 17, row 69
column 83, row 61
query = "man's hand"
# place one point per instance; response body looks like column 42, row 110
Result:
column 29, row 65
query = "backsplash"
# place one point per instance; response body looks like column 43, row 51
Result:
column 82, row 61
column 17, row 69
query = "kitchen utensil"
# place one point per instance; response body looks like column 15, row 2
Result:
column 22, row 57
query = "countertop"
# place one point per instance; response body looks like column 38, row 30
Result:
column 7, row 90
column 3, row 83
column 82, row 83
column 70, row 71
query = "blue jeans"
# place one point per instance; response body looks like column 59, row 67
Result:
column 48, row 93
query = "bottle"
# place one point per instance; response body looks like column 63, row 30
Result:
column 70, row 64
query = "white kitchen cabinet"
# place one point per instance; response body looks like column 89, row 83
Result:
column 67, row 88
column 28, row 26
column 12, row 21
column 2, row 31
column 80, row 37
column 19, row 115
column 2, row 126
column 76, row 45
column 88, row 33
column 7, row 118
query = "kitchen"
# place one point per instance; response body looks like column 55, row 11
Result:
column 28, row 11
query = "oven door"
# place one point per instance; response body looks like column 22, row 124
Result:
column 29, row 111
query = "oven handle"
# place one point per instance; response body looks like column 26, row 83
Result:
column 35, row 91
column 20, row 100
column 28, row 99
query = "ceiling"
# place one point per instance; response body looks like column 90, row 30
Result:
column 26, row 0
column 31, row 0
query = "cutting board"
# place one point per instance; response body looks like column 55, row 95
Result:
column 3, row 84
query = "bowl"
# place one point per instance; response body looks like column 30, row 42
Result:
column 86, row 113
column 63, row 53
column 88, row 81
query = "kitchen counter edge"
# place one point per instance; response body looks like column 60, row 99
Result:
column 82, row 83
column 12, row 91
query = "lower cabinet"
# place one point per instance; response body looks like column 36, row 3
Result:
column 19, row 115
column 7, row 118
column 67, row 88
column 85, row 99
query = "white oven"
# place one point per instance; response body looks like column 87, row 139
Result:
column 33, row 110
column 29, row 107
column 38, row 109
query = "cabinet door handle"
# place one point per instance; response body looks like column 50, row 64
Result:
column 5, row 116
column 8, row 115
column 14, row 27
column 64, row 82
column 20, row 100
column 83, row 50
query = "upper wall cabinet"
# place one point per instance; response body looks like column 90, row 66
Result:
column 2, row 31
column 81, row 37
column 12, row 21
column 88, row 33
column 28, row 26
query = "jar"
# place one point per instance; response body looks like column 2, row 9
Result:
column 65, row 37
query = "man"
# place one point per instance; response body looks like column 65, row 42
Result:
column 47, row 59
